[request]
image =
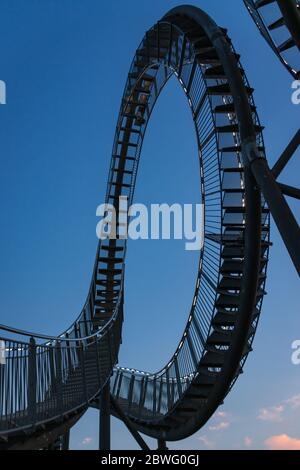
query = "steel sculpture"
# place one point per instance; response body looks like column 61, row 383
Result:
column 47, row 383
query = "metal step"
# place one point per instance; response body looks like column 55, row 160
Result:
column 202, row 42
column 234, row 128
column 213, row 359
column 232, row 266
column 231, row 283
column 123, row 172
column 121, row 185
column 103, row 314
column 229, row 108
column 124, row 157
column 228, row 301
column 216, row 72
column 108, row 282
column 242, row 210
column 142, row 90
column 107, row 296
column 286, row 45
column 236, row 149
column 108, row 271
column 220, row 338
column 207, row 55
column 237, row 251
column 128, row 144
column 224, row 90
column 130, row 129
column 233, row 169
column 276, row 24
column 233, row 190
column 263, row 3
column 226, row 239
column 206, row 379
column 112, row 248
column 111, row 260
column 228, row 318
column 104, row 304
column 134, row 104
column 224, row 319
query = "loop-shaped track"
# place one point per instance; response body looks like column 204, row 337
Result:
column 279, row 23
column 175, row 402
column 45, row 384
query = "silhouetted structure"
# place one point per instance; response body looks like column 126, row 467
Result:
column 45, row 387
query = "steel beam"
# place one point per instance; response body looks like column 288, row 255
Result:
column 286, row 155
column 290, row 191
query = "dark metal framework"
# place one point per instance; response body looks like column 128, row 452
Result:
column 47, row 385
column 279, row 23
column 43, row 385
column 176, row 401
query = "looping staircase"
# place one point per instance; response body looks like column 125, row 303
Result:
column 174, row 402
column 46, row 385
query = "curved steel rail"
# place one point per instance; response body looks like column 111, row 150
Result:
column 176, row 401
column 279, row 23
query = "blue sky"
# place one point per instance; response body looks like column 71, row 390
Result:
column 65, row 64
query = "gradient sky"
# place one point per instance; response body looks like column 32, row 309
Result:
column 65, row 63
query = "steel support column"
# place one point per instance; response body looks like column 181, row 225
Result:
column 161, row 445
column 104, row 426
column 66, row 441
column 129, row 424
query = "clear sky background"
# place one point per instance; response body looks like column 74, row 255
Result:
column 65, row 63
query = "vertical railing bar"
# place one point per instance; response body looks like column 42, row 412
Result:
column 179, row 386
column 170, row 45
column 32, row 381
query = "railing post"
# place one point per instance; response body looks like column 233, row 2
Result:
column 168, row 389
column 59, row 381
column 154, row 396
column 84, row 381
column 68, row 353
column 98, row 363
column 161, row 445
column 32, row 377
column 130, row 391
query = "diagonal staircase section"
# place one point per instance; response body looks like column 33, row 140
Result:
column 279, row 22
